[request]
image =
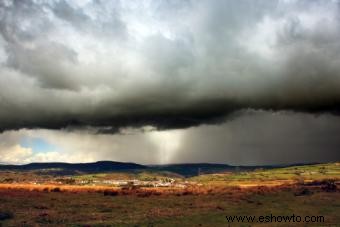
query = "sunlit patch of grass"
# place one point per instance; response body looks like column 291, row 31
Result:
column 293, row 174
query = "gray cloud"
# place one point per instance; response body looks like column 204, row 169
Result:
column 253, row 138
column 177, row 64
column 260, row 137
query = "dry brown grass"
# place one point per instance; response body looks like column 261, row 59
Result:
column 209, row 189
column 51, row 187
column 64, row 205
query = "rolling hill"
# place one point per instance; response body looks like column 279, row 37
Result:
column 183, row 169
column 101, row 166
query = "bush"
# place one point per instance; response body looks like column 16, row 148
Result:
column 329, row 186
column 6, row 215
column 56, row 190
column 8, row 180
column 303, row 191
column 186, row 192
column 110, row 193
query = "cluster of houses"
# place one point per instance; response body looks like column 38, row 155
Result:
column 168, row 182
column 165, row 182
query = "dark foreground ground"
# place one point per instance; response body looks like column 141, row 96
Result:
column 186, row 208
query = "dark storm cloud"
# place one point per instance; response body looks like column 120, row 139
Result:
column 111, row 64
column 259, row 137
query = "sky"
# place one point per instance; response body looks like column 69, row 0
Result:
column 243, row 82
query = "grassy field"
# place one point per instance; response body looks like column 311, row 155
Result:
column 301, row 191
column 36, row 208
column 294, row 174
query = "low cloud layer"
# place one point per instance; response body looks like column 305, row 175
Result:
column 168, row 64
column 254, row 138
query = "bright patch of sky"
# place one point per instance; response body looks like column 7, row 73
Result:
column 37, row 144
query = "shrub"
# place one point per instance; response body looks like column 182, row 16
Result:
column 4, row 215
column 186, row 192
column 303, row 191
column 8, row 180
column 329, row 186
column 56, row 190
column 110, row 193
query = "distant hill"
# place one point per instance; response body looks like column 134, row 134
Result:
column 101, row 166
column 183, row 169
column 194, row 169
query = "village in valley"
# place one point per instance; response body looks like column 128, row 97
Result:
column 122, row 183
column 166, row 182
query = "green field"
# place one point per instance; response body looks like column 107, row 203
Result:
column 295, row 173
